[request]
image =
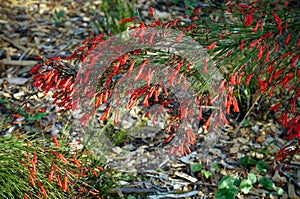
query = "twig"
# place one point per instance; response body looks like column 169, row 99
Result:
column 248, row 112
column 18, row 63
column 206, row 184
column 13, row 42
column 183, row 195
column 130, row 190
column 185, row 176
column 32, row 57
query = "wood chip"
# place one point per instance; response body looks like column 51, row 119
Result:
column 185, row 176
column 16, row 44
column 18, row 63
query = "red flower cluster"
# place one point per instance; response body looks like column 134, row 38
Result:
column 269, row 44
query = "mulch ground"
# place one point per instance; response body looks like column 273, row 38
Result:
column 28, row 29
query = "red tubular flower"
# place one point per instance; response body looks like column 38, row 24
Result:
column 254, row 43
column 197, row 10
column 294, row 60
column 286, row 80
column 151, row 11
column 191, row 138
column 179, row 37
column 190, row 27
column 151, row 38
column 31, row 179
column 116, row 116
column 235, row 105
column 34, row 69
column 127, row 19
column 57, row 84
column 145, row 101
column 232, row 78
column 105, row 115
column 242, row 44
column 56, row 167
column 262, row 84
column 50, row 176
column 228, row 3
column 205, row 65
column 248, row 78
column 48, row 89
column 34, row 157
column 65, row 184
column 223, row 118
column 141, row 69
column 169, row 138
column 60, row 156
column 175, row 22
column 285, row 55
column 276, row 48
column 157, row 92
column 256, row 26
column 240, row 77
column 259, row 55
column 84, row 118
column 77, row 162
column 211, row 46
column 278, row 20
column 266, row 60
column 275, row 107
column 58, row 181
column 166, row 25
column 194, row 18
column 131, row 66
column 287, row 39
column 266, row 36
column 271, row 91
column 249, row 18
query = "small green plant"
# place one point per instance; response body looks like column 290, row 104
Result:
column 198, row 167
column 247, row 184
column 114, row 11
column 36, row 166
column 229, row 187
column 57, row 17
column 259, row 165
column 270, row 185
column 189, row 5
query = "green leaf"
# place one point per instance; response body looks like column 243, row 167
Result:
column 261, row 166
column 227, row 193
column 3, row 100
column 206, row 174
column 227, row 182
column 38, row 116
column 24, row 113
column 252, row 178
column 196, row 167
column 246, row 122
column 265, row 151
column 246, row 186
column 245, row 161
column 267, row 183
column 215, row 165
column 279, row 191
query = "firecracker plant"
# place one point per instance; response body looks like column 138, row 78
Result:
column 35, row 167
column 254, row 44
